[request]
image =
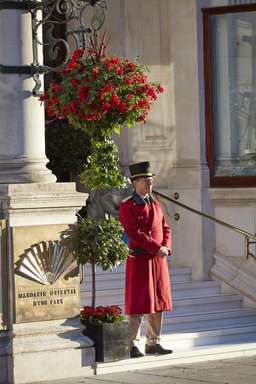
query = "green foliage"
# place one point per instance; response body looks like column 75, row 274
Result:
column 66, row 148
column 100, row 242
column 102, row 169
column 97, row 89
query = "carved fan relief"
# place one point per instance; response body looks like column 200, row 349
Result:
column 46, row 262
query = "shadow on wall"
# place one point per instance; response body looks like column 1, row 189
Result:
column 105, row 201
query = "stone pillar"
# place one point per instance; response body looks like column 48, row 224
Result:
column 188, row 174
column 41, row 338
column 22, row 155
column 42, row 333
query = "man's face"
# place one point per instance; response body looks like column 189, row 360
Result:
column 143, row 185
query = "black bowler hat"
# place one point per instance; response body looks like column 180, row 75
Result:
column 140, row 170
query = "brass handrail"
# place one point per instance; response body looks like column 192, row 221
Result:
column 247, row 235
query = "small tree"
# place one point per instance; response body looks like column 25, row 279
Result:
column 99, row 242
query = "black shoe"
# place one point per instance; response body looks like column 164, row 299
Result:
column 135, row 352
column 156, row 349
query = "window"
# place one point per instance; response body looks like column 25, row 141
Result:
column 230, row 94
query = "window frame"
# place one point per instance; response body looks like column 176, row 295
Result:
column 218, row 181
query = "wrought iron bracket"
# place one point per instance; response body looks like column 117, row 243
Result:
column 24, row 69
column 177, row 216
column 16, row 4
column 72, row 15
column 176, row 195
column 31, row 70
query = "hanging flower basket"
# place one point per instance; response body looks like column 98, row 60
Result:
column 98, row 93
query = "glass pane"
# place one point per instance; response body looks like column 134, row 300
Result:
column 234, row 93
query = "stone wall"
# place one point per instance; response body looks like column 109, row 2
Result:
column 167, row 36
column 142, row 29
column 164, row 35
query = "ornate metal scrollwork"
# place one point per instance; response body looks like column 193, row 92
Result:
column 77, row 20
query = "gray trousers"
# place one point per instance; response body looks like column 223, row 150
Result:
column 154, row 326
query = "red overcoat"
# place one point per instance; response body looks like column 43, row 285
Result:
column 147, row 283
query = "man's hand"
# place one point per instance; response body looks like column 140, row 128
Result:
column 163, row 251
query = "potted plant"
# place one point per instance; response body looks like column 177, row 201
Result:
column 99, row 94
column 108, row 330
column 99, row 242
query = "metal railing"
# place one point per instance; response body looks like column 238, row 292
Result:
column 248, row 237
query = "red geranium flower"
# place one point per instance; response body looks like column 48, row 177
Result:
column 100, row 314
column 100, row 91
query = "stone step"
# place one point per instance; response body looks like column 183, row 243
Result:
column 99, row 271
column 204, row 322
column 206, row 304
column 183, row 289
column 121, row 268
column 216, row 317
column 228, row 334
column 177, row 275
column 208, row 321
column 181, row 305
column 196, row 354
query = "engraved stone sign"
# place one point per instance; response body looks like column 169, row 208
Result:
column 45, row 288
column 60, row 300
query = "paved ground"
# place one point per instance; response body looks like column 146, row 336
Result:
column 230, row 371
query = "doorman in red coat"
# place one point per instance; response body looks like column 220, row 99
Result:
column 147, row 284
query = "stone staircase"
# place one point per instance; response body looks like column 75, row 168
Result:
column 205, row 324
